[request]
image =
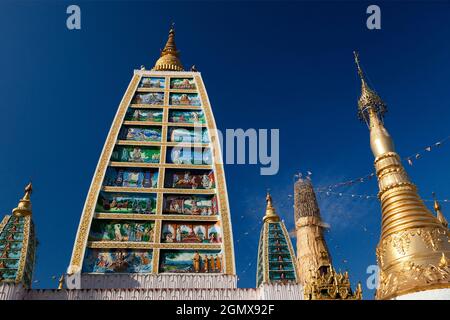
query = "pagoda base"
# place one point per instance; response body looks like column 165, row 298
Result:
column 157, row 281
column 264, row 292
column 435, row 294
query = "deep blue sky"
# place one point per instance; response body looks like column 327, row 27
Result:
column 265, row 65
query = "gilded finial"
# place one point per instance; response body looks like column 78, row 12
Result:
column 169, row 59
column 443, row 263
column 271, row 214
column 370, row 101
column 24, row 206
column 439, row 213
column 358, row 292
column 358, row 66
column 61, row 282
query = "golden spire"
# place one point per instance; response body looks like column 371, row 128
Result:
column 61, row 282
column 369, row 99
column 169, row 59
column 271, row 214
column 412, row 239
column 24, row 206
column 439, row 213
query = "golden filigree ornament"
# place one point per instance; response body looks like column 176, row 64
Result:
column 326, row 284
column 413, row 240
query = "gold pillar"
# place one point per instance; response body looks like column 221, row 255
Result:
column 312, row 251
column 413, row 242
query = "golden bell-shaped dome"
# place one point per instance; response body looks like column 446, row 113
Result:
column 169, row 60
column 271, row 214
column 24, row 206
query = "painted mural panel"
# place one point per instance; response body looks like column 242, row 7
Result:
column 146, row 134
column 188, row 135
column 8, row 274
column 124, row 203
column 11, row 247
column 150, row 82
column 136, row 154
column 191, row 261
column 7, row 245
column 151, row 98
column 182, row 83
column 117, row 261
column 189, row 179
column 153, row 115
column 10, row 251
column 111, row 230
column 190, row 205
column 282, row 276
column 182, row 232
column 279, row 257
column 187, row 116
column 281, row 266
column 189, row 155
column 11, row 236
column 184, row 99
column 131, row 177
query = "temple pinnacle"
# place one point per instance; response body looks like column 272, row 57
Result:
column 24, row 206
column 169, row 59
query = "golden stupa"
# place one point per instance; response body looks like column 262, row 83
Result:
column 414, row 244
column 169, row 60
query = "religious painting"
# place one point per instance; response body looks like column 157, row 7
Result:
column 282, row 275
column 280, row 257
column 278, row 249
column 146, row 134
column 190, row 205
column 9, row 251
column 182, row 83
column 6, row 246
column 8, row 273
column 152, row 115
column 110, row 230
column 187, row 116
column 123, row 203
column 131, row 177
column 188, row 135
column 184, row 232
column 189, row 179
column 191, row 261
column 117, row 261
column 13, row 226
column 152, row 98
column 136, row 154
column 11, row 236
column 150, row 82
column 189, row 155
column 281, row 241
column 184, row 99
column 281, row 266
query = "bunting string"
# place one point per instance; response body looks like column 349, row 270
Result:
column 368, row 196
column 409, row 159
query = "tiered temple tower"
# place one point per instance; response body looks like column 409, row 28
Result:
column 18, row 244
column 414, row 249
column 317, row 275
column 157, row 212
column 276, row 258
